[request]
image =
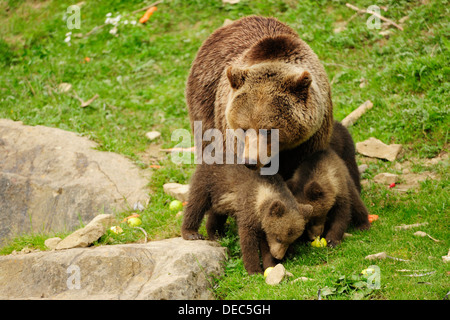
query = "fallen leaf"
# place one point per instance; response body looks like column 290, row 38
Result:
column 138, row 206
column 325, row 291
column 64, row 87
column 147, row 14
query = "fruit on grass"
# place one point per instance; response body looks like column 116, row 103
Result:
column 319, row 242
column 176, row 205
column 134, row 222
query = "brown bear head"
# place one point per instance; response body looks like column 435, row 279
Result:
column 322, row 198
column 273, row 95
column 283, row 225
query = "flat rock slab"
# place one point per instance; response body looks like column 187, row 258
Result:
column 166, row 269
column 276, row 275
column 385, row 178
column 51, row 178
column 374, row 148
column 177, row 190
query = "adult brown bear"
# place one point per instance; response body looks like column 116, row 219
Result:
column 256, row 73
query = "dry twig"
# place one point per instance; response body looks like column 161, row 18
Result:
column 356, row 114
column 409, row 226
column 375, row 14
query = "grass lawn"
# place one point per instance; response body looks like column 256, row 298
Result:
column 139, row 74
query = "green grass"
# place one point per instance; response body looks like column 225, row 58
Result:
column 140, row 75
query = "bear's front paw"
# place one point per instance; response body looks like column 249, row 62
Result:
column 255, row 271
column 192, row 235
column 332, row 243
column 364, row 226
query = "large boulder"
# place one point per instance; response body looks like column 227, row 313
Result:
column 166, row 269
column 51, row 178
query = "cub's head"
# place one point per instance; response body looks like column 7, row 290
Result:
column 320, row 198
column 273, row 95
column 283, row 225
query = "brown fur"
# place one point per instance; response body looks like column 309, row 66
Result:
column 257, row 73
column 324, row 182
column 342, row 143
column 267, row 215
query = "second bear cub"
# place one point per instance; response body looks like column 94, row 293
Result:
column 323, row 181
column 268, row 217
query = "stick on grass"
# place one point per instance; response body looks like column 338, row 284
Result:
column 375, row 14
column 356, row 114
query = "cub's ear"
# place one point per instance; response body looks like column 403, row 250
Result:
column 306, row 209
column 277, row 209
column 300, row 83
column 236, row 77
column 314, row 191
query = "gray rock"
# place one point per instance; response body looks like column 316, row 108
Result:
column 301, row 279
column 177, row 190
column 86, row 236
column 362, row 168
column 51, row 178
column 276, row 275
column 166, row 269
column 152, row 135
column 51, row 243
column 64, row 87
column 385, row 178
column 376, row 149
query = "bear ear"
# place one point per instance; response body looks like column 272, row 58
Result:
column 277, row 209
column 301, row 83
column 306, row 209
column 236, row 77
column 314, row 191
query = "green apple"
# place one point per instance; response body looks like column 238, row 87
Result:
column 176, row 205
column 134, row 222
column 319, row 242
column 116, row 229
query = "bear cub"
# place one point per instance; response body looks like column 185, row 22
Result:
column 329, row 181
column 268, row 217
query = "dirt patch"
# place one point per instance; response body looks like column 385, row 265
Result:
column 411, row 180
column 153, row 154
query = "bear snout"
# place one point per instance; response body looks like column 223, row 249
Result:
column 278, row 250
